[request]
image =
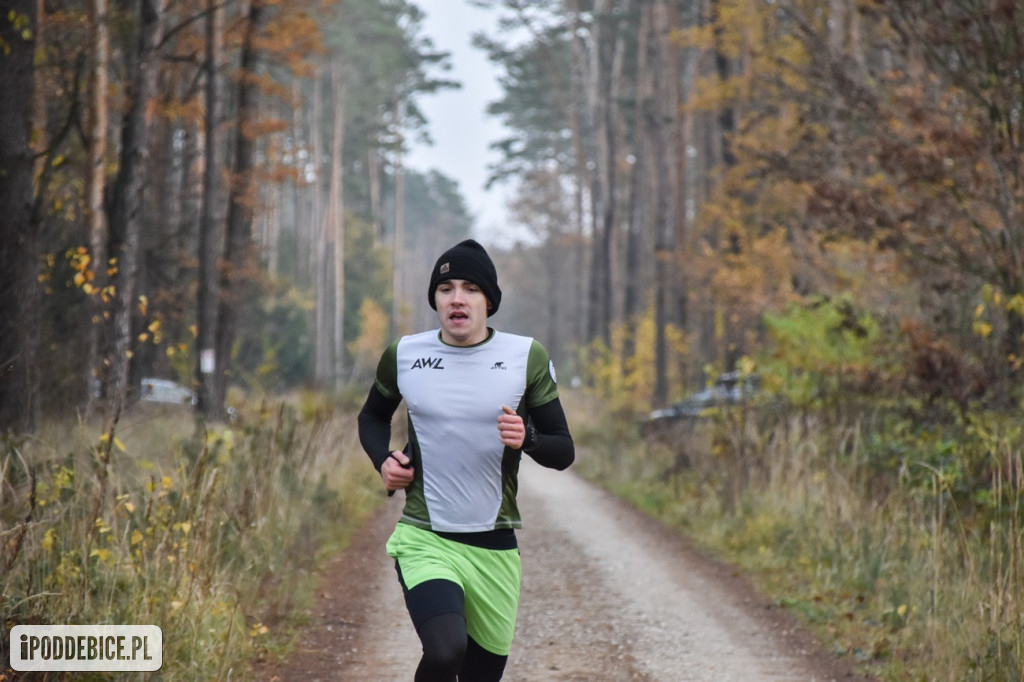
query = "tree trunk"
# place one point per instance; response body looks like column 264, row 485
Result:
column 318, row 258
column 337, row 225
column 661, row 135
column 211, row 240
column 316, row 218
column 238, row 259
column 18, row 286
column 597, row 323
column 612, row 80
column 397, row 250
column 686, row 199
column 40, row 97
column 128, row 192
column 95, row 184
column 304, row 229
column 639, row 192
column 270, row 231
column 330, row 337
column 373, row 172
column 578, row 89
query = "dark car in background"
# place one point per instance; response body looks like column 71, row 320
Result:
column 731, row 388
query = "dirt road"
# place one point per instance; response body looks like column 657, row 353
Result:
column 607, row 595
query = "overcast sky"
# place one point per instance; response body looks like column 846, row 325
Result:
column 457, row 120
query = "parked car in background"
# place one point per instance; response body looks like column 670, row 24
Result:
column 730, row 388
column 165, row 391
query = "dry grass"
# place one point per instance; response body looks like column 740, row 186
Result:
column 209, row 533
column 900, row 544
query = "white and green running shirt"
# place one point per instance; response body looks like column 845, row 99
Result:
column 465, row 478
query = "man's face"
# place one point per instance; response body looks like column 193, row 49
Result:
column 462, row 309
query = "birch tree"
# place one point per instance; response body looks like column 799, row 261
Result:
column 126, row 213
column 95, row 186
column 210, row 227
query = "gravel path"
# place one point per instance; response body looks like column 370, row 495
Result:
column 607, row 595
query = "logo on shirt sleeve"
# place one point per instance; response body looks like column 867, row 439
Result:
column 551, row 370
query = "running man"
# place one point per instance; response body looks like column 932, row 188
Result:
column 476, row 399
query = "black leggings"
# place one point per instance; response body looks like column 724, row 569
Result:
column 437, row 609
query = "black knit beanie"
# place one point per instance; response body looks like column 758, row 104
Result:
column 467, row 260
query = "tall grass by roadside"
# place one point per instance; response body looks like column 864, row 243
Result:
column 209, row 533
column 897, row 539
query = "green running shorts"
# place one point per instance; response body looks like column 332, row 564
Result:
column 489, row 578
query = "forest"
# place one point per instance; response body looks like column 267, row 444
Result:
column 225, row 181
column 827, row 193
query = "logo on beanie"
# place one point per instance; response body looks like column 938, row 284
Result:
column 445, row 268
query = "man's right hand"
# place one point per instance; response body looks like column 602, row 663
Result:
column 397, row 471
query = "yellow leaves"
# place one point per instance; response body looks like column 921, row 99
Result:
column 84, row 278
column 136, row 538
column 105, row 438
column 878, row 180
column 1016, row 305
column 700, row 37
column 174, row 350
column 79, row 260
column 629, row 385
column 154, row 328
column 258, row 629
column 21, row 23
column 993, row 298
column 373, row 329
column 64, row 478
column 223, row 439
column 165, row 485
column 746, row 365
column 104, row 555
column 49, row 537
